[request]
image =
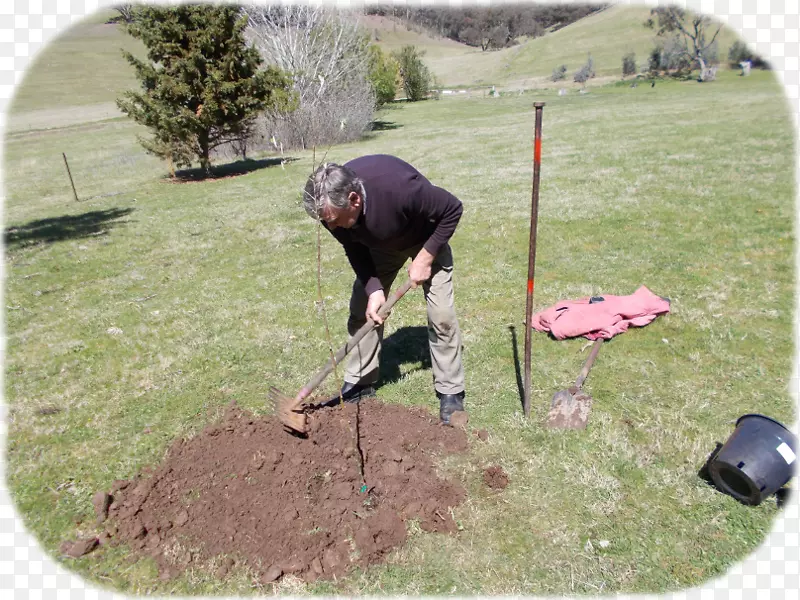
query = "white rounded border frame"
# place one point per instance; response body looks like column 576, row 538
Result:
column 771, row 27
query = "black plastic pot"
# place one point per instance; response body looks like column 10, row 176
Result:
column 756, row 461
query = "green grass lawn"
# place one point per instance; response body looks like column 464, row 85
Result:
column 152, row 304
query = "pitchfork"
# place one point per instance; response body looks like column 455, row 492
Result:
column 291, row 411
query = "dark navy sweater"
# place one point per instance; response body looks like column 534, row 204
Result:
column 402, row 210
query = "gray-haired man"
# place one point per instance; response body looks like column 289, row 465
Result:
column 383, row 212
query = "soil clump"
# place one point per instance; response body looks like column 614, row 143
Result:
column 78, row 548
column 247, row 491
column 495, row 477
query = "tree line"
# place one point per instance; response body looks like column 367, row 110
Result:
column 489, row 28
column 685, row 43
column 224, row 78
column 227, row 78
column 688, row 42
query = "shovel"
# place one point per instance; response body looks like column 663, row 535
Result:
column 291, row 411
column 570, row 408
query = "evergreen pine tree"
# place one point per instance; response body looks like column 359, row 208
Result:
column 201, row 83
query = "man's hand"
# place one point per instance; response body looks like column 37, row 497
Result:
column 375, row 301
column 419, row 271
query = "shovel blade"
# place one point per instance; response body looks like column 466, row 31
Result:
column 569, row 409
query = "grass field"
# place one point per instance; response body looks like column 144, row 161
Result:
column 151, row 305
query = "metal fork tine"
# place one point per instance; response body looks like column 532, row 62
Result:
column 295, row 421
column 275, row 394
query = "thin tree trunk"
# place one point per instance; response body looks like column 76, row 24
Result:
column 205, row 162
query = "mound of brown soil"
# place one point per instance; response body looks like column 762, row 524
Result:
column 247, row 489
column 495, row 477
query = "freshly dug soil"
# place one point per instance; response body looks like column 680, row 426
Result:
column 495, row 477
column 279, row 503
column 459, row 418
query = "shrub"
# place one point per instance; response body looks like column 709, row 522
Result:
column 383, row 73
column 654, row 60
column 559, row 73
column 416, row 76
column 585, row 73
column 740, row 52
column 670, row 57
column 629, row 64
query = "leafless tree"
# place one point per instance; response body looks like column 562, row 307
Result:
column 692, row 30
column 325, row 51
column 126, row 12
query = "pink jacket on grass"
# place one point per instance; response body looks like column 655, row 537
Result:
column 573, row 318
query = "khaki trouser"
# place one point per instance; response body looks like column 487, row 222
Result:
column 444, row 336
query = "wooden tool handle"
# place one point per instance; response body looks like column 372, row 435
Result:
column 383, row 311
column 589, row 362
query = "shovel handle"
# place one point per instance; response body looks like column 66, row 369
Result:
column 383, row 312
column 589, row 362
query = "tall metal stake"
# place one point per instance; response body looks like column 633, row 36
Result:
column 537, row 159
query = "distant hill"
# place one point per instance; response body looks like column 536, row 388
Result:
column 493, row 26
column 608, row 35
column 89, row 51
column 392, row 33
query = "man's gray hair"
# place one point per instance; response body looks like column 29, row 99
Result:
column 330, row 184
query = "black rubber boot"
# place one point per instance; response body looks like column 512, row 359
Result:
column 352, row 392
column 448, row 404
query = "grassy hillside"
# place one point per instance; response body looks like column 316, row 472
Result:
column 608, row 35
column 83, row 66
column 392, row 34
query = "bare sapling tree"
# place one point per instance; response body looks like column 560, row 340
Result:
column 325, row 51
column 585, row 73
column 692, row 30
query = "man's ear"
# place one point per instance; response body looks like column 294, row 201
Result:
column 355, row 199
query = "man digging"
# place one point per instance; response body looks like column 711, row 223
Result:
column 383, row 212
